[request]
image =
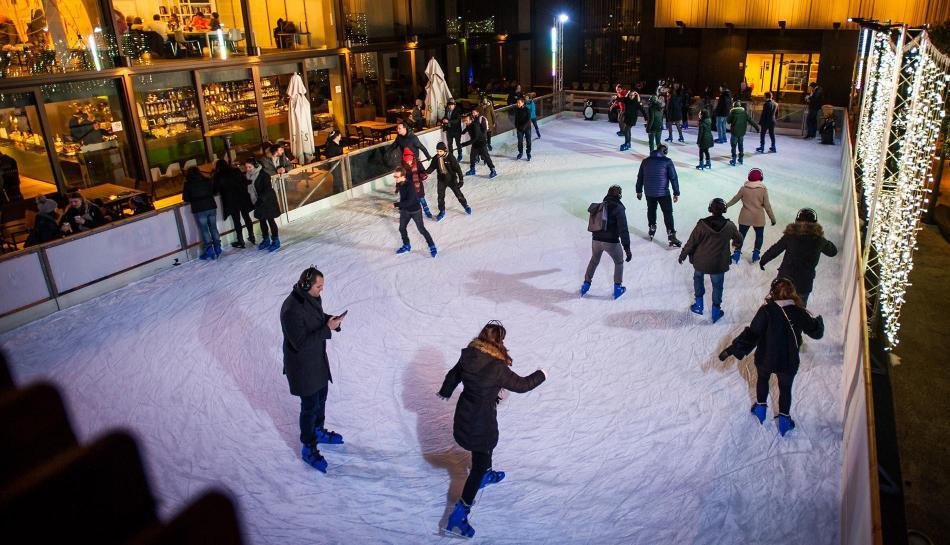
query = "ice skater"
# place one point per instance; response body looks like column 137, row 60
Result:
column 417, row 175
column 449, row 175
column 533, row 109
column 767, row 121
column 803, row 243
column 704, row 140
column 708, row 250
column 266, row 207
column 487, row 110
column 755, row 205
column 199, row 192
column 452, row 125
column 476, row 137
column 617, row 105
column 409, row 210
column 657, row 173
column 739, row 121
column 675, row 106
column 523, row 127
column 483, row 370
column 405, row 138
column 629, row 106
column 776, row 336
column 610, row 234
column 235, row 200
column 723, row 106
column 654, row 123
column 306, row 329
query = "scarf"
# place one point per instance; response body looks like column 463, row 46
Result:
column 252, row 175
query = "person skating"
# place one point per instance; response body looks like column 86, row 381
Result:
column 614, row 239
column 267, row 207
column 813, row 99
column 452, row 125
column 523, row 128
column 476, row 137
column 704, row 140
column 675, row 107
column 755, row 205
column 739, row 121
column 306, row 329
column 629, row 106
column 657, row 173
column 487, row 110
column 533, row 109
column 776, row 336
column 417, row 176
column 803, row 243
column 483, row 369
column 409, row 210
column 617, row 104
column 707, row 248
column 722, row 112
column 654, row 123
column 405, row 138
column 235, row 200
column 767, row 121
column 449, row 174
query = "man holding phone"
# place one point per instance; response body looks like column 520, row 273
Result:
column 306, row 329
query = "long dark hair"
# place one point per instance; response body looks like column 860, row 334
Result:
column 494, row 334
column 783, row 289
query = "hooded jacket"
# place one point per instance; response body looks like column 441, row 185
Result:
column 654, row 116
column 483, row 371
column 755, row 204
column 304, row 325
column 739, row 122
column 776, row 335
column 675, row 107
column 656, row 174
column 487, row 110
column 616, row 229
column 708, row 246
column 199, row 191
column 803, row 243
column 705, row 137
column 408, row 197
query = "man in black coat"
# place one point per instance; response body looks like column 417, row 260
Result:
column 813, row 99
column 614, row 239
column 405, row 138
column 452, row 125
column 306, row 330
column 449, row 175
column 803, row 243
column 522, row 127
column 472, row 124
column 767, row 121
column 723, row 107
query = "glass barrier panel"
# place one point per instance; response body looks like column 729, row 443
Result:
column 311, row 183
column 368, row 164
column 504, row 119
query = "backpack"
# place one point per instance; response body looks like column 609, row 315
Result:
column 598, row 217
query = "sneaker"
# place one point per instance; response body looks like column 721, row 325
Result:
column 585, row 287
column 403, row 249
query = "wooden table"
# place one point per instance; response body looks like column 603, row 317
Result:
column 376, row 125
column 114, row 197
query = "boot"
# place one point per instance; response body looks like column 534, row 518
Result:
column 265, row 243
column 716, row 313
column 740, row 158
column 785, row 424
column 492, row 174
column 217, row 249
column 682, row 140
column 760, row 149
column 736, row 256
column 755, row 256
column 528, row 157
column 708, row 163
column 519, row 156
column 458, row 521
column 668, row 139
column 329, row 437
column 758, row 409
column 274, row 244
column 440, row 215
column 208, row 253
column 619, row 290
column 697, row 307
column 433, row 250
column 624, row 147
column 652, row 232
column 701, row 166
column 470, row 171
column 312, row 456
column 674, row 242
column 772, row 149
column 619, row 133
column 492, row 477
column 585, row 287
column 403, row 249
column 425, row 207
column 732, row 161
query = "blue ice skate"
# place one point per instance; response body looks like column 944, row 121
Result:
column 312, row 456
column 274, row 244
column 697, row 307
column 491, row 477
column 458, row 521
column 433, row 250
column 716, row 313
column 440, row 215
column 755, row 256
column 619, row 290
column 624, row 147
column 403, row 249
column 585, row 287
column 528, row 157
column 217, row 249
column 470, row 171
column 758, row 410
column 492, row 174
column 740, row 159
column 519, row 156
column 708, row 164
column 208, row 253
column 468, row 210
column 736, row 256
column 785, row 424
column 732, row 161
column 328, row 437
column 265, row 243
column 701, row 166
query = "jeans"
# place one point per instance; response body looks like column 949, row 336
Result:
column 313, row 410
column 479, row 150
column 534, row 122
column 416, row 217
column 524, row 139
column 767, row 129
column 208, row 227
column 736, row 142
column 666, row 206
column 699, row 287
column 269, row 228
column 669, row 129
column 481, row 463
column 655, row 137
column 455, row 189
column 784, row 389
column 759, row 235
column 248, row 223
column 625, row 129
column 721, row 128
column 811, row 124
column 614, row 250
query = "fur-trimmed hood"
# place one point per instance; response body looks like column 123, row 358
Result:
column 489, row 350
column 804, row 228
column 755, row 185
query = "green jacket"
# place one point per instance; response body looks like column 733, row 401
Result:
column 654, row 116
column 739, row 121
column 705, row 137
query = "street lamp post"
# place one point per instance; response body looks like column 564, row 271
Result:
column 557, row 60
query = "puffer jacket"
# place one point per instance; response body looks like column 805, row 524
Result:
column 755, row 204
column 656, row 174
column 739, row 121
column 705, row 137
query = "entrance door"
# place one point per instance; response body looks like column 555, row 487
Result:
column 785, row 74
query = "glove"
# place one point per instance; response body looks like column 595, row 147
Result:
column 681, row 259
column 629, row 256
column 773, row 223
column 725, row 354
column 639, row 196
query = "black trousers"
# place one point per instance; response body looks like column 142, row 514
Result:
column 784, row 389
column 703, row 153
column 455, row 189
column 488, row 138
column 625, row 128
column 767, row 129
column 480, row 150
column 272, row 231
column 457, row 138
column 524, row 134
column 481, row 463
column 416, row 217
column 811, row 124
column 248, row 223
column 666, row 205
column 313, row 409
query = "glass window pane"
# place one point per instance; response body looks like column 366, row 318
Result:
column 325, row 83
column 365, row 86
column 424, row 16
column 274, row 82
column 231, row 108
column 374, row 21
column 398, row 80
column 90, row 133
column 293, row 25
column 24, row 165
column 759, row 71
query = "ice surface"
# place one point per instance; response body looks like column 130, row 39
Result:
column 640, row 435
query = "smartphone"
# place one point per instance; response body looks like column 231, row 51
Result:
column 344, row 314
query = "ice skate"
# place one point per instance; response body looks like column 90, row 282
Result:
column 458, row 521
column 440, row 215
column 238, row 245
column 433, row 250
column 651, row 232
column 732, row 161
column 697, row 307
column 701, row 166
column 674, row 242
column 207, row 254
column 740, row 159
column 619, row 133
column 265, row 243
column 585, row 287
column 312, row 456
column 468, row 210
column 329, row 437
column 758, row 409
column 772, row 149
column 619, row 290
column 251, row 240
column 274, row 244
column 492, row 477
column 624, row 147
column 492, row 174
column 708, row 164
column 716, row 313
column 755, row 256
column 470, row 172
column 517, row 157
column 528, row 157
column 217, row 249
column 785, row 424
column 681, row 140
column 403, row 249
column 760, row 149
column 669, row 139
column 460, row 156
column 736, row 256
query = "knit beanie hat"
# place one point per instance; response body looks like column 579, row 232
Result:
column 407, row 155
column 46, row 206
column 755, row 175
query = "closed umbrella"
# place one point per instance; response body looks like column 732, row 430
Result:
column 437, row 92
column 301, row 127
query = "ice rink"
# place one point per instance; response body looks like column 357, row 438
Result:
column 640, row 435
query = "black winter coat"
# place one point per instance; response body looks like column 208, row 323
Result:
column 232, row 183
column 411, row 141
column 333, row 149
column 408, row 197
column 617, row 230
column 708, row 245
column 724, row 106
column 803, row 243
column 631, row 107
column 476, row 132
column 775, row 338
column 304, row 325
column 454, row 128
column 88, row 211
column 266, row 207
column 522, row 118
column 769, row 113
column 676, row 107
column 483, row 372
column 199, row 191
column 44, row 229
column 453, row 176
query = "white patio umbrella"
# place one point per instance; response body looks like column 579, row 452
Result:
column 301, row 126
column 437, row 92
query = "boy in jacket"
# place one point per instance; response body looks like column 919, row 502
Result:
column 708, row 250
column 476, row 135
column 803, row 244
column 739, row 121
column 523, row 127
column 409, row 209
column 613, row 239
column 449, row 174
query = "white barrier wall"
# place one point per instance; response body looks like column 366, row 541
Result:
column 22, row 282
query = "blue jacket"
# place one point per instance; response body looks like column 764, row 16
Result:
column 657, row 173
column 408, row 198
column 532, row 108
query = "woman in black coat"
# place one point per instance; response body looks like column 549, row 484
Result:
column 266, row 208
column 334, row 148
column 483, row 370
column 776, row 336
column 803, row 243
column 235, row 200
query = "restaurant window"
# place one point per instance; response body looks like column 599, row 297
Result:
column 325, row 90
column 294, row 25
column 398, row 81
column 231, row 108
column 453, row 69
column 375, row 20
column 788, row 74
column 365, row 86
column 38, row 37
column 167, row 107
column 274, row 82
column 425, row 16
column 24, row 165
column 89, row 134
